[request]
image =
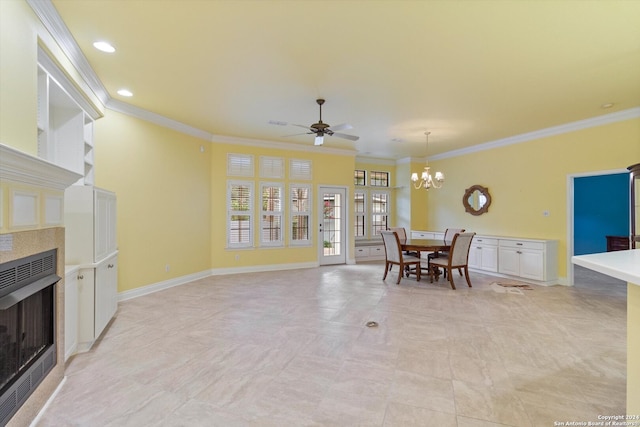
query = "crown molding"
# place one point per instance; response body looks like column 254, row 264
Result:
column 24, row 168
column 50, row 18
column 140, row 113
column 619, row 116
column 375, row 160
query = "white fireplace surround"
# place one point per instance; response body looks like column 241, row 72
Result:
column 31, row 221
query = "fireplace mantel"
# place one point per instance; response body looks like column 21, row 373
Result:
column 24, row 168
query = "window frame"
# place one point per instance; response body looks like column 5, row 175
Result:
column 274, row 213
column 372, row 213
column 249, row 212
column 308, row 213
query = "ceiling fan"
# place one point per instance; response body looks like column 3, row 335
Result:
column 321, row 129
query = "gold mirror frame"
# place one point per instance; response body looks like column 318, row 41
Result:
column 473, row 210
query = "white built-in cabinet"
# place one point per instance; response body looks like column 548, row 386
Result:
column 65, row 130
column 529, row 259
column 483, row 254
column 90, row 233
column 534, row 260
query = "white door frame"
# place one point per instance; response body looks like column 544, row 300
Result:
column 341, row 258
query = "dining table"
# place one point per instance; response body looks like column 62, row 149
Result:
column 425, row 245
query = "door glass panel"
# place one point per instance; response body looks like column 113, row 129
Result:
column 331, row 232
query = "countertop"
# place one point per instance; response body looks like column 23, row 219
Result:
column 623, row 265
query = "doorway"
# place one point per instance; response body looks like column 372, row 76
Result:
column 597, row 206
column 332, row 242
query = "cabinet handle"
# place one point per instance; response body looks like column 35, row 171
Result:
column 80, row 277
column 518, row 252
column 519, row 244
column 110, row 266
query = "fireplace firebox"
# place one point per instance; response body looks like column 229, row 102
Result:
column 27, row 327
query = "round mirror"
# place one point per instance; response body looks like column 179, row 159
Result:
column 476, row 200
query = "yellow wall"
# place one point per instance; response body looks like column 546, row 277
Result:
column 528, row 178
column 163, row 185
column 18, row 74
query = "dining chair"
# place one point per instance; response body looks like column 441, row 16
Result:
column 402, row 235
column 458, row 257
column 448, row 238
column 394, row 255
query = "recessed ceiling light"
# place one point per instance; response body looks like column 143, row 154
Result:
column 607, row 105
column 125, row 92
column 104, row 47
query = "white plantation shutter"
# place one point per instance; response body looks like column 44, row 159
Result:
column 300, row 169
column 271, row 167
column 239, row 164
column 300, row 214
column 239, row 214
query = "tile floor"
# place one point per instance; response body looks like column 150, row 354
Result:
column 291, row 348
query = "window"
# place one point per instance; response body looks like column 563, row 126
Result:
column 239, row 165
column 271, row 218
column 379, row 179
column 379, row 212
column 271, row 167
column 360, row 213
column 300, row 214
column 300, row 169
column 240, row 214
column 371, row 204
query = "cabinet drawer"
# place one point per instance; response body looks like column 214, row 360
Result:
column 376, row 251
column 522, row 244
column 362, row 251
column 484, row 241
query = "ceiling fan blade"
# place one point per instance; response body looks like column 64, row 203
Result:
column 343, row 126
column 300, row 126
column 296, row 134
column 319, row 140
column 345, row 136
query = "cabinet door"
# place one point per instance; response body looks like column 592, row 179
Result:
column 70, row 314
column 475, row 256
column 106, row 301
column 509, row 262
column 105, row 224
column 489, row 260
column 86, row 298
column 532, row 264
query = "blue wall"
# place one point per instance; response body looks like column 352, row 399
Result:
column 601, row 208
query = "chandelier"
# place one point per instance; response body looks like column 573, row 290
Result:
column 426, row 181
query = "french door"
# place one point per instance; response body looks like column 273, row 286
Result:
column 332, row 242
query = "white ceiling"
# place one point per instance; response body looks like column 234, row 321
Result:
column 470, row 72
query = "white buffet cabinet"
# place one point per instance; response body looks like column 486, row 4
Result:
column 90, row 233
column 369, row 250
column 531, row 260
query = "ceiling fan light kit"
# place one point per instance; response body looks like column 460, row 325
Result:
column 425, row 180
column 321, row 129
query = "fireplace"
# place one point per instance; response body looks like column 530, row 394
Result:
column 27, row 327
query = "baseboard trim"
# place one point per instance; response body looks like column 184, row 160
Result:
column 36, row 420
column 558, row 281
column 160, row 286
column 262, row 268
column 178, row 281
